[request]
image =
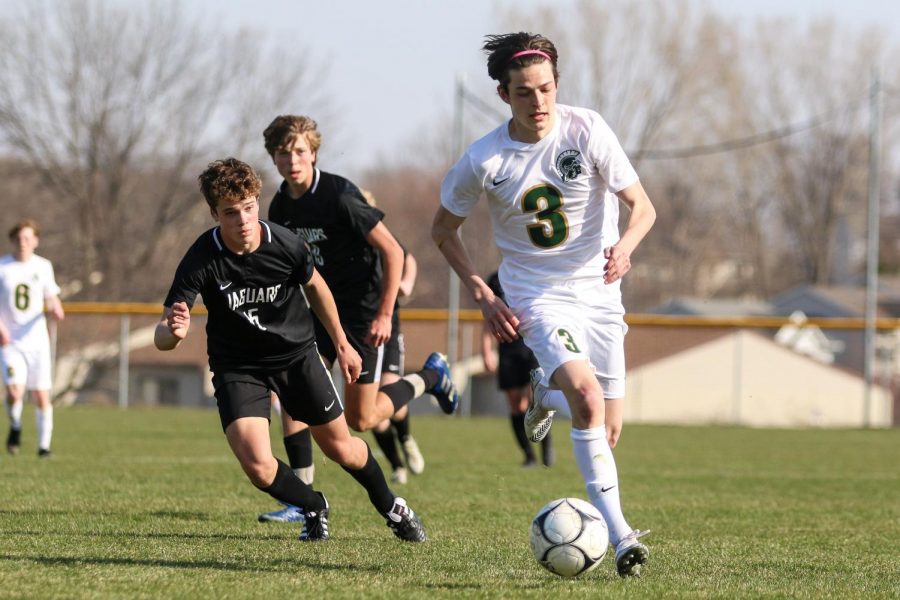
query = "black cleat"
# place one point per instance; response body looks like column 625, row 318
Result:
column 315, row 525
column 44, row 453
column 404, row 522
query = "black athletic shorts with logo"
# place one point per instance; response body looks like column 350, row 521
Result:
column 304, row 388
column 372, row 358
column 394, row 350
column 515, row 364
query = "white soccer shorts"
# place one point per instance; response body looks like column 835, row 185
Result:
column 27, row 366
column 558, row 333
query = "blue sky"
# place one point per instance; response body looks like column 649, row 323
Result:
column 394, row 62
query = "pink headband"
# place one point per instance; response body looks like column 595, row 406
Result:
column 527, row 52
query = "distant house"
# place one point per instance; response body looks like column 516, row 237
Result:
column 721, row 376
column 845, row 301
column 715, row 307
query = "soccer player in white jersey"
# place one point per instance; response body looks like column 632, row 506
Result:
column 553, row 176
column 27, row 286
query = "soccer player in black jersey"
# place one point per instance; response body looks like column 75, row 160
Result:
column 361, row 262
column 260, row 339
column 392, row 370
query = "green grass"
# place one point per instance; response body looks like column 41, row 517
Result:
column 150, row 504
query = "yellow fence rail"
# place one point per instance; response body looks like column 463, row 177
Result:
column 472, row 315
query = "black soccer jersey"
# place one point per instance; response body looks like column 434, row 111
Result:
column 334, row 218
column 258, row 316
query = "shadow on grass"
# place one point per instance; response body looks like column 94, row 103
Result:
column 151, row 535
column 269, row 566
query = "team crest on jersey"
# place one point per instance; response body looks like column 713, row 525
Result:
column 568, row 164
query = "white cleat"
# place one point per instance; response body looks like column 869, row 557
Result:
column 398, row 476
column 414, row 459
column 537, row 419
column 631, row 554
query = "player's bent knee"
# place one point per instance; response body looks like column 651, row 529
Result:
column 361, row 423
column 260, row 474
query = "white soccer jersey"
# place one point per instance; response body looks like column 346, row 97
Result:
column 24, row 287
column 552, row 203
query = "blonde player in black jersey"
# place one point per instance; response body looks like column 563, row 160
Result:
column 362, row 264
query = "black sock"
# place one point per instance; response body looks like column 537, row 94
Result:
column 518, row 425
column 430, row 376
column 371, row 478
column 299, row 449
column 400, row 393
column 385, row 440
column 288, row 488
column 547, row 449
column 401, row 426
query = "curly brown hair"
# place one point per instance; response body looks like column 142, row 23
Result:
column 231, row 180
column 24, row 224
column 284, row 129
column 501, row 48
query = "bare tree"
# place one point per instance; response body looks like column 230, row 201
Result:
column 809, row 185
column 117, row 110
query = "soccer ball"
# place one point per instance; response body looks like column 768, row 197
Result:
column 569, row 537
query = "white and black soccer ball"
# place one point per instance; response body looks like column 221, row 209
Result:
column 569, row 537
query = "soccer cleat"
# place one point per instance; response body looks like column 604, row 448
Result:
column 414, row 459
column 399, row 475
column 537, row 419
column 13, row 440
column 315, row 524
column 443, row 390
column 44, row 453
column 288, row 514
column 404, row 522
column 631, row 554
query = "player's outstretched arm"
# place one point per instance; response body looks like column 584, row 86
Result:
column 408, row 278
column 643, row 215
column 173, row 326
column 322, row 303
column 487, row 349
column 445, row 233
column 392, row 260
column 54, row 308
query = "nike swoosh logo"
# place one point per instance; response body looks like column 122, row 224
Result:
column 361, row 373
column 330, row 405
column 223, row 286
column 603, row 490
column 499, row 181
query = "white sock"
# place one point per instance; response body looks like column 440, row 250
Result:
column 44, row 419
column 556, row 400
column 306, row 474
column 15, row 414
column 415, row 380
column 598, row 468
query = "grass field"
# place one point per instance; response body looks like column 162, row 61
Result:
column 150, row 504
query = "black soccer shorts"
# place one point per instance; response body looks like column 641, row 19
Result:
column 305, row 390
column 372, row 358
column 514, row 366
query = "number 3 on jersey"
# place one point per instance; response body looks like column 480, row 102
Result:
column 551, row 228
